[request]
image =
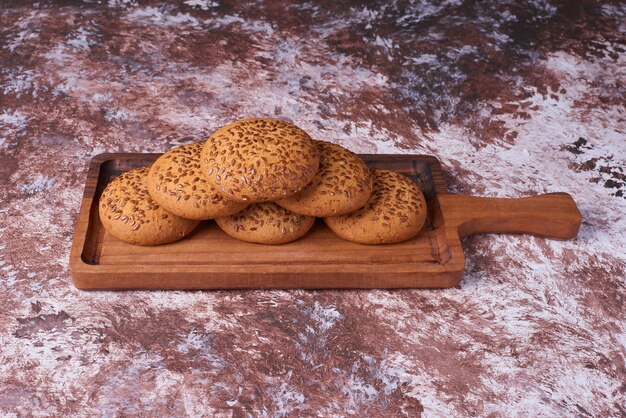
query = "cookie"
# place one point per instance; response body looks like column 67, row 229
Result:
column 176, row 183
column 395, row 212
column 266, row 223
column 129, row 214
column 342, row 184
column 259, row 160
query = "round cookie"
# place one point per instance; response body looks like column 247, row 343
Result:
column 175, row 182
column 395, row 212
column 259, row 160
column 129, row 214
column 266, row 223
column 342, row 184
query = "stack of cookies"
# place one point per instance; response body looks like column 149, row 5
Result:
column 263, row 181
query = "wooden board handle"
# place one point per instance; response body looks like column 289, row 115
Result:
column 553, row 215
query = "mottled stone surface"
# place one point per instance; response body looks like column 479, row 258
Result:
column 514, row 97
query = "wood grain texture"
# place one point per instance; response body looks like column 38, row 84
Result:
column 210, row 259
column 553, row 215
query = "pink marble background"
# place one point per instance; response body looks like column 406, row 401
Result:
column 514, row 97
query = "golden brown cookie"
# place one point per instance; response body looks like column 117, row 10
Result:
column 258, row 160
column 266, row 223
column 129, row 214
column 175, row 182
column 342, row 184
column 395, row 212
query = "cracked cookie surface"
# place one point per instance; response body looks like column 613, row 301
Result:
column 343, row 183
column 395, row 212
column 129, row 213
column 266, row 223
column 259, row 160
column 175, row 182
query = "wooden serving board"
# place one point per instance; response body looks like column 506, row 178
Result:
column 210, row 259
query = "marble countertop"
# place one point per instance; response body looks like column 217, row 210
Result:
column 515, row 98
